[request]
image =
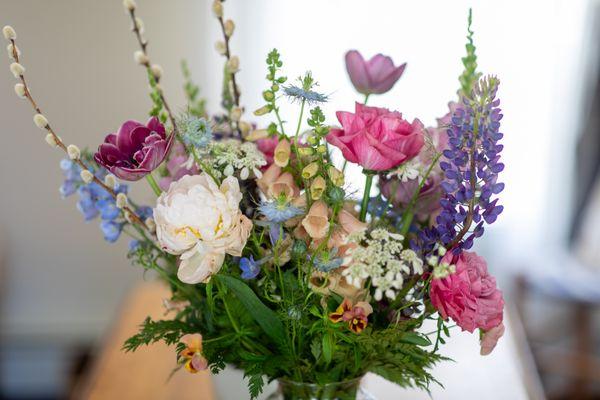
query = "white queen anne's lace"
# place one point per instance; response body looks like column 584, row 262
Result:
column 231, row 156
column 380, row 256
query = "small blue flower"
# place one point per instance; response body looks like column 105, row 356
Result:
column 111, row 230
column 134, row 244
column 108, row 209
column 250, row 268
column 310, row 96
column 278, row 212
column 67, row 188
column 195, row 132
column 144, row 212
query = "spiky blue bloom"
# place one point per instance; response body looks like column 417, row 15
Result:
column 310, row 96
column 327, row 262
column 278, row 211
column 195, row 132
column 250, row 268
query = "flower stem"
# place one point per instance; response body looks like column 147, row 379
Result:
column 365, row 200
column 153, row 184
column 409, row 213
column 366, row 98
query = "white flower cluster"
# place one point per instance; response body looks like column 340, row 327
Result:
column 230, row 156
column 441, row 269
column 381, row 258
column 409, row 170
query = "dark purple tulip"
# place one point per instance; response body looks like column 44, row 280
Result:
column 135, row 150
column 376, row 76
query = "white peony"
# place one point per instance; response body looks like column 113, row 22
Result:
column 201, row 222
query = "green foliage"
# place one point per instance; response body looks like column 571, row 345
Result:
column 264, row 316
column 470, row 75
column 157, row 109
column 274, row 65
column 168, row 331
column 196, row 105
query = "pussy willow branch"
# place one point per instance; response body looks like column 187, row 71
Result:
column 143, row 44
column 236, row 92
column 134, row 217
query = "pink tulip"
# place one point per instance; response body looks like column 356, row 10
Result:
column 376, row 138
column 376, row 76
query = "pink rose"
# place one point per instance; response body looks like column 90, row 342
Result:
column 376, row 76
column 469, row 296
column 376, row 138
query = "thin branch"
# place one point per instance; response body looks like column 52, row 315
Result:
column 143, row 45
column 27, row 93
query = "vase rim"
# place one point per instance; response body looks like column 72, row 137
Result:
column 296, row 383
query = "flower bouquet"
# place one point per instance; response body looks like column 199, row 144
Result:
column 276, row 266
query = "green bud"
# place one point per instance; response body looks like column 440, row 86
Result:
column 268, row 95
column 275, row 87
column 336, row 195
column 263, row 110
column 322, row 149
column 305, row 151
column 299, row 248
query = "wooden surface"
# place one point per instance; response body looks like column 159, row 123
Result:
column 143, row 374
column 506, row 374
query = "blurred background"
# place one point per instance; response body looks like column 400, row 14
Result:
column 62, row 285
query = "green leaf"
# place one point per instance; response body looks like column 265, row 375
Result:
column 328, row 347
column 210, row 300
column 414, row 338
column 263, row 315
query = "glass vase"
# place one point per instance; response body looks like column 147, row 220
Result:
column 345, row 390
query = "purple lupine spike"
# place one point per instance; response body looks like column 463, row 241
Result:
column 471, row 166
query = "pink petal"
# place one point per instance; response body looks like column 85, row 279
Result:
column 357, row 70
column 333, row 137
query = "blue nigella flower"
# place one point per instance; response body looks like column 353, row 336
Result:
column 278, row 212
column 195, row 132
column 298, row 93
column 327, row 262
column 250, row 268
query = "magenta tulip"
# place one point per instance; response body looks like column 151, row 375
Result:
column 135, row 150
column 376, row 138
column 376, row 76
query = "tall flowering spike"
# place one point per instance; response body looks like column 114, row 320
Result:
column 471, row 166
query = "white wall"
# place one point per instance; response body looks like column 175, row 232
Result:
column 62, row 280
column 536, row 48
